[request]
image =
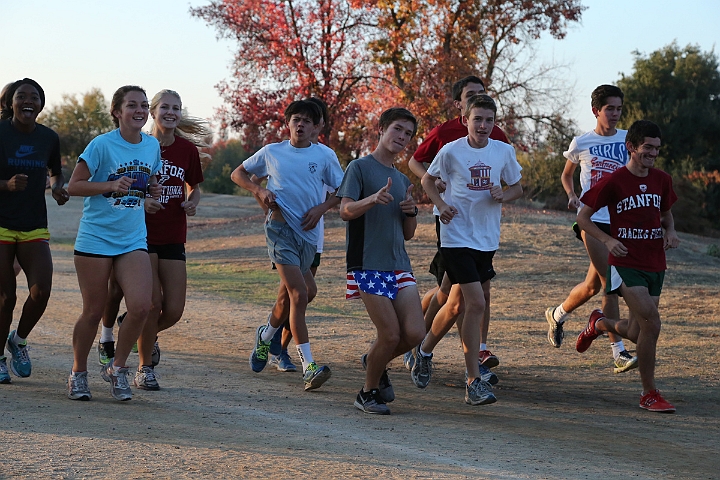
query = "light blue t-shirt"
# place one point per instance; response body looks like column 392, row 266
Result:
column 297, row 177
column 114, row 223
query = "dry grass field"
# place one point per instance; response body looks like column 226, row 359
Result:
column 559, row 414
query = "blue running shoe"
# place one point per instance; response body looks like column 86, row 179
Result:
column 282, row 362
column 259, row 355
column 4, row 375
column 20, row 363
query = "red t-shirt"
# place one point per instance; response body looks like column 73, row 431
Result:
column 180, row 165
column 446, row 133
column 635, row 204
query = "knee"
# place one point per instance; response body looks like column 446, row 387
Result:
column 172, row 314
column 651, row 325
column 140, row 310
column 8, row 299
column 477, row 304
column 299, row 297
column 40, row 292
column 416, row 335
column 592, row 288
column 455, row 308
column 312, row 292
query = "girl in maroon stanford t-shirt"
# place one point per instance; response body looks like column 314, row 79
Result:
column 179, row 138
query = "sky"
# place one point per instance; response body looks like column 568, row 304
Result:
column 72, row 46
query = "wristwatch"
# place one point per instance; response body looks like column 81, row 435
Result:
column 412, row 214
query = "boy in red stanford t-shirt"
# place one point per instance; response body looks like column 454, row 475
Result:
column 639, row 198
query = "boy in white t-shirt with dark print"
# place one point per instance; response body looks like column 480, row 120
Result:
column 297, row 171
column 473, row 168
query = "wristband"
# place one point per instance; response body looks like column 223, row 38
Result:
column 412, row 214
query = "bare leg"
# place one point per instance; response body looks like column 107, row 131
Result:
column 112, row 306
column 474, row 313
column 134, row 275
column 297, row 288
column 36, row 262
column 437, row 302
column 399, row 328
column 8, row 291
column 445, row 319
column 645, row 314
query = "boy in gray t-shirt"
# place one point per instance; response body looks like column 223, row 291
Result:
column 381, row 214
column 297, row 171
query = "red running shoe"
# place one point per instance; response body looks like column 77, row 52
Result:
column 589, row 334
column 487, row 359
column 654, row 402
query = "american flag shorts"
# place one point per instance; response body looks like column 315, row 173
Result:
column 376, row 282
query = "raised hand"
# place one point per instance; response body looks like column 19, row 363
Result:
column 383, row 196
column 121, row 185
column 408, row 204
column 17, row 183
column 189, row 207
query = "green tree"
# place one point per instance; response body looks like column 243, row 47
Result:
column 77, row 121
column 679, row 89
column 226, row 156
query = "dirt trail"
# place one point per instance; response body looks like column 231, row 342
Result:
column 559, row 414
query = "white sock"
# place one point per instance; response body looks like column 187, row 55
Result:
column 617, row 347
column 106, row 334
column 559, row 314
column 18, row 340
column 483, row 346
column 268, row 333
column 305, row 355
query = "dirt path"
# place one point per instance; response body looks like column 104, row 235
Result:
column 559, row 414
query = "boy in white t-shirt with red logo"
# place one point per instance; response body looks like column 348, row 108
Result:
column 472, row 168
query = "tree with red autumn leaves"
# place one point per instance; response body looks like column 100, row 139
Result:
column 363, row 57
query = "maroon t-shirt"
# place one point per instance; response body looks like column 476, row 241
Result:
column 446, row 133
column 635, row 204
column 180, row 165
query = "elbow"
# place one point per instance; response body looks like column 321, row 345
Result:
column 72, row 189
column 345, row 215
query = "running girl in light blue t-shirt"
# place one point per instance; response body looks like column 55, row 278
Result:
column 114, row 173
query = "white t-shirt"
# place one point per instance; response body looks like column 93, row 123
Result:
column 321, row 223
column 297, row 177
column 469, row 173
column 598, row 156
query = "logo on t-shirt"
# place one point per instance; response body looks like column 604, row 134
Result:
column 643, row 188
column 24, row 151
column 140, row 174
column 480, row 177
column 607, row 157
column 312, row 167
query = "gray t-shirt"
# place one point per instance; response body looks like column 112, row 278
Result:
column 375, row 240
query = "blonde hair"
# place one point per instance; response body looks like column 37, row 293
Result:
column 193, row 129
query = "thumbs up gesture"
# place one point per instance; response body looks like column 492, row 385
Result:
column 408, row 204
column 383, row 196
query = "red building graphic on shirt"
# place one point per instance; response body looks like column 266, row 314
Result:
column 480, row 177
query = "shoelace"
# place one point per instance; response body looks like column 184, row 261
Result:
column 425, row 365
column 80, row 383
column 122, row 381
column 149, row 374
column 23, row 354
